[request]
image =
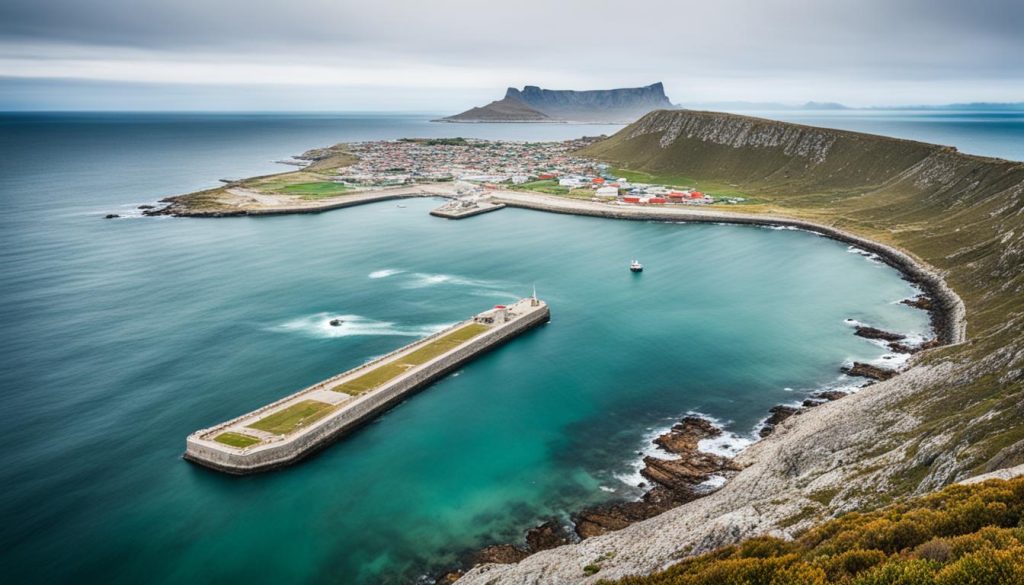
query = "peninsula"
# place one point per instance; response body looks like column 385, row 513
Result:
column 298, row 425
column 534, row 104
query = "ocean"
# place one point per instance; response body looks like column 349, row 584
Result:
column 123, row 336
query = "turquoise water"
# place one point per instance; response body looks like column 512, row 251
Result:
column 121, row 337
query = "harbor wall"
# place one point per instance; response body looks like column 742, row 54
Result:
column 356, row 412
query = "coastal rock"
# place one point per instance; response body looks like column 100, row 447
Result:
column 869, row 371
column 550, row 534
column 923, row 302
column 875, row 333
column 904, row 348
column 676, row 481
column 686, row 434
column 111, row 216
column 146, row 207
column 778, row 414
column 501, row 554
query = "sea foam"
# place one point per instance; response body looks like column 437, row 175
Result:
column 319, row 326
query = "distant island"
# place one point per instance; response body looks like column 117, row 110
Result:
column 535, row 104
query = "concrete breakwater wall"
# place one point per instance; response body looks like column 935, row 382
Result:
column 949, row 312
column 202, row 449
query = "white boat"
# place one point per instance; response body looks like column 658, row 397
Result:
column 636, row 266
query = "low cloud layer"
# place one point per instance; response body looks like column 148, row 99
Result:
column 445, row 54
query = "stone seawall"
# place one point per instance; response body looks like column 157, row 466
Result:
column 356, row 413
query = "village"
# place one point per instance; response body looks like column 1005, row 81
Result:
column 479, row 166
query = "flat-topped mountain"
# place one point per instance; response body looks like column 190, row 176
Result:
column 535, row 104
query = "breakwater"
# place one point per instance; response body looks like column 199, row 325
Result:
column 298, row 425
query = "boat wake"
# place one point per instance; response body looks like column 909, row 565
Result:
column 319, row 326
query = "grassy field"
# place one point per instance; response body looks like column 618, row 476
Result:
column 714, row 188
column 236, row 439
column 382, row 374
column 294, row 417
column 964, row 535
column 549, row 186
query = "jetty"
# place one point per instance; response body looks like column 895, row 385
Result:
column 298, row 425
column 466, row 207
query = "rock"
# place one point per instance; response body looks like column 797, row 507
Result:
column 449, row 578
column 685, row 435
column 874, row 333
column 828, row 395
column 337, row 322
column 923, row 302
column 868, row 371
column 550, row 534
column 501, row 554
column 779, row 414
column 146, row 207
column 111, row 216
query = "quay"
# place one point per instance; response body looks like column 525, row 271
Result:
column 298, row 425
column 461, row 208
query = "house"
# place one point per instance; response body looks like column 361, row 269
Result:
column 608, row 191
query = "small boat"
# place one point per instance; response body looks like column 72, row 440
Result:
column 636, row 266
column 400, row 206
column 337, row 322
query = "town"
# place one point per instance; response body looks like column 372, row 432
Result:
column 479, row 166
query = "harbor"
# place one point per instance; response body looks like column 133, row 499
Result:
column 298, row 425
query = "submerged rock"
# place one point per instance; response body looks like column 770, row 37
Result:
column 111, row 216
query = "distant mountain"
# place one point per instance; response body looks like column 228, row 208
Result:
column 535, row 104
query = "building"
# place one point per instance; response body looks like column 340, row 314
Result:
column 608, row 191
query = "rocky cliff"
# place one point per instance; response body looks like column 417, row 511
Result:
column 534, row 104
column 958, row 410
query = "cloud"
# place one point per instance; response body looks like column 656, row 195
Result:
column 729, row 49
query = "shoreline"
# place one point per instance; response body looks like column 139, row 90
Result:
column 947, row 313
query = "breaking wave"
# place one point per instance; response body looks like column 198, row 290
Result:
column 385, row 273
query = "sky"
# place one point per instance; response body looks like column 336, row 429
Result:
column 448, row 55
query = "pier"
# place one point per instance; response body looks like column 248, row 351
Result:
column 466, row 207
column 298, row 425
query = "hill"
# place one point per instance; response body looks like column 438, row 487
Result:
column 534, row 104
column 956, row 412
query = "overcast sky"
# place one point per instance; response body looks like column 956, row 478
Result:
column 445, row 55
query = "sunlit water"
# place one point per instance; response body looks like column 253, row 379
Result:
column 123, row 336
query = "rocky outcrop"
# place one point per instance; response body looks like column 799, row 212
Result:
column 869, row 371
column 875, row 333
column 535, row 104
column 778, row 414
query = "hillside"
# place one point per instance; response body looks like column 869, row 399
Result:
column 964, row 534
column 535, row 104
column 958, row 411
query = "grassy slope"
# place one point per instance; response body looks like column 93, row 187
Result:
column 962, row 214
column 962, row 535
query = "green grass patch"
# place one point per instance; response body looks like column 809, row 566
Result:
column 294, row 417
column 239, row 440
column 382, row 374
column 548, row 186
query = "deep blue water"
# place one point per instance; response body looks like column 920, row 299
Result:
column 123, row 336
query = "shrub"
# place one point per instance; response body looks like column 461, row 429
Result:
column 985, row 567
column 900, row 572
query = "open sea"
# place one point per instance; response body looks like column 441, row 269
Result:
column 121, row 337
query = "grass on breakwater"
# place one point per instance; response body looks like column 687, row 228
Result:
column 239, row 440
column 379, row 376
column 294, row 417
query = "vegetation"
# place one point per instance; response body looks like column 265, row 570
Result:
column 962, row 214
column 294, row 417
column 239, row 440
column 382, row 374
column 963, row 535
column 549, row 186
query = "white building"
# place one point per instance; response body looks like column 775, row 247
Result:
column 607, row 192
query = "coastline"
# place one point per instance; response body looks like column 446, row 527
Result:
column 949, row 323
